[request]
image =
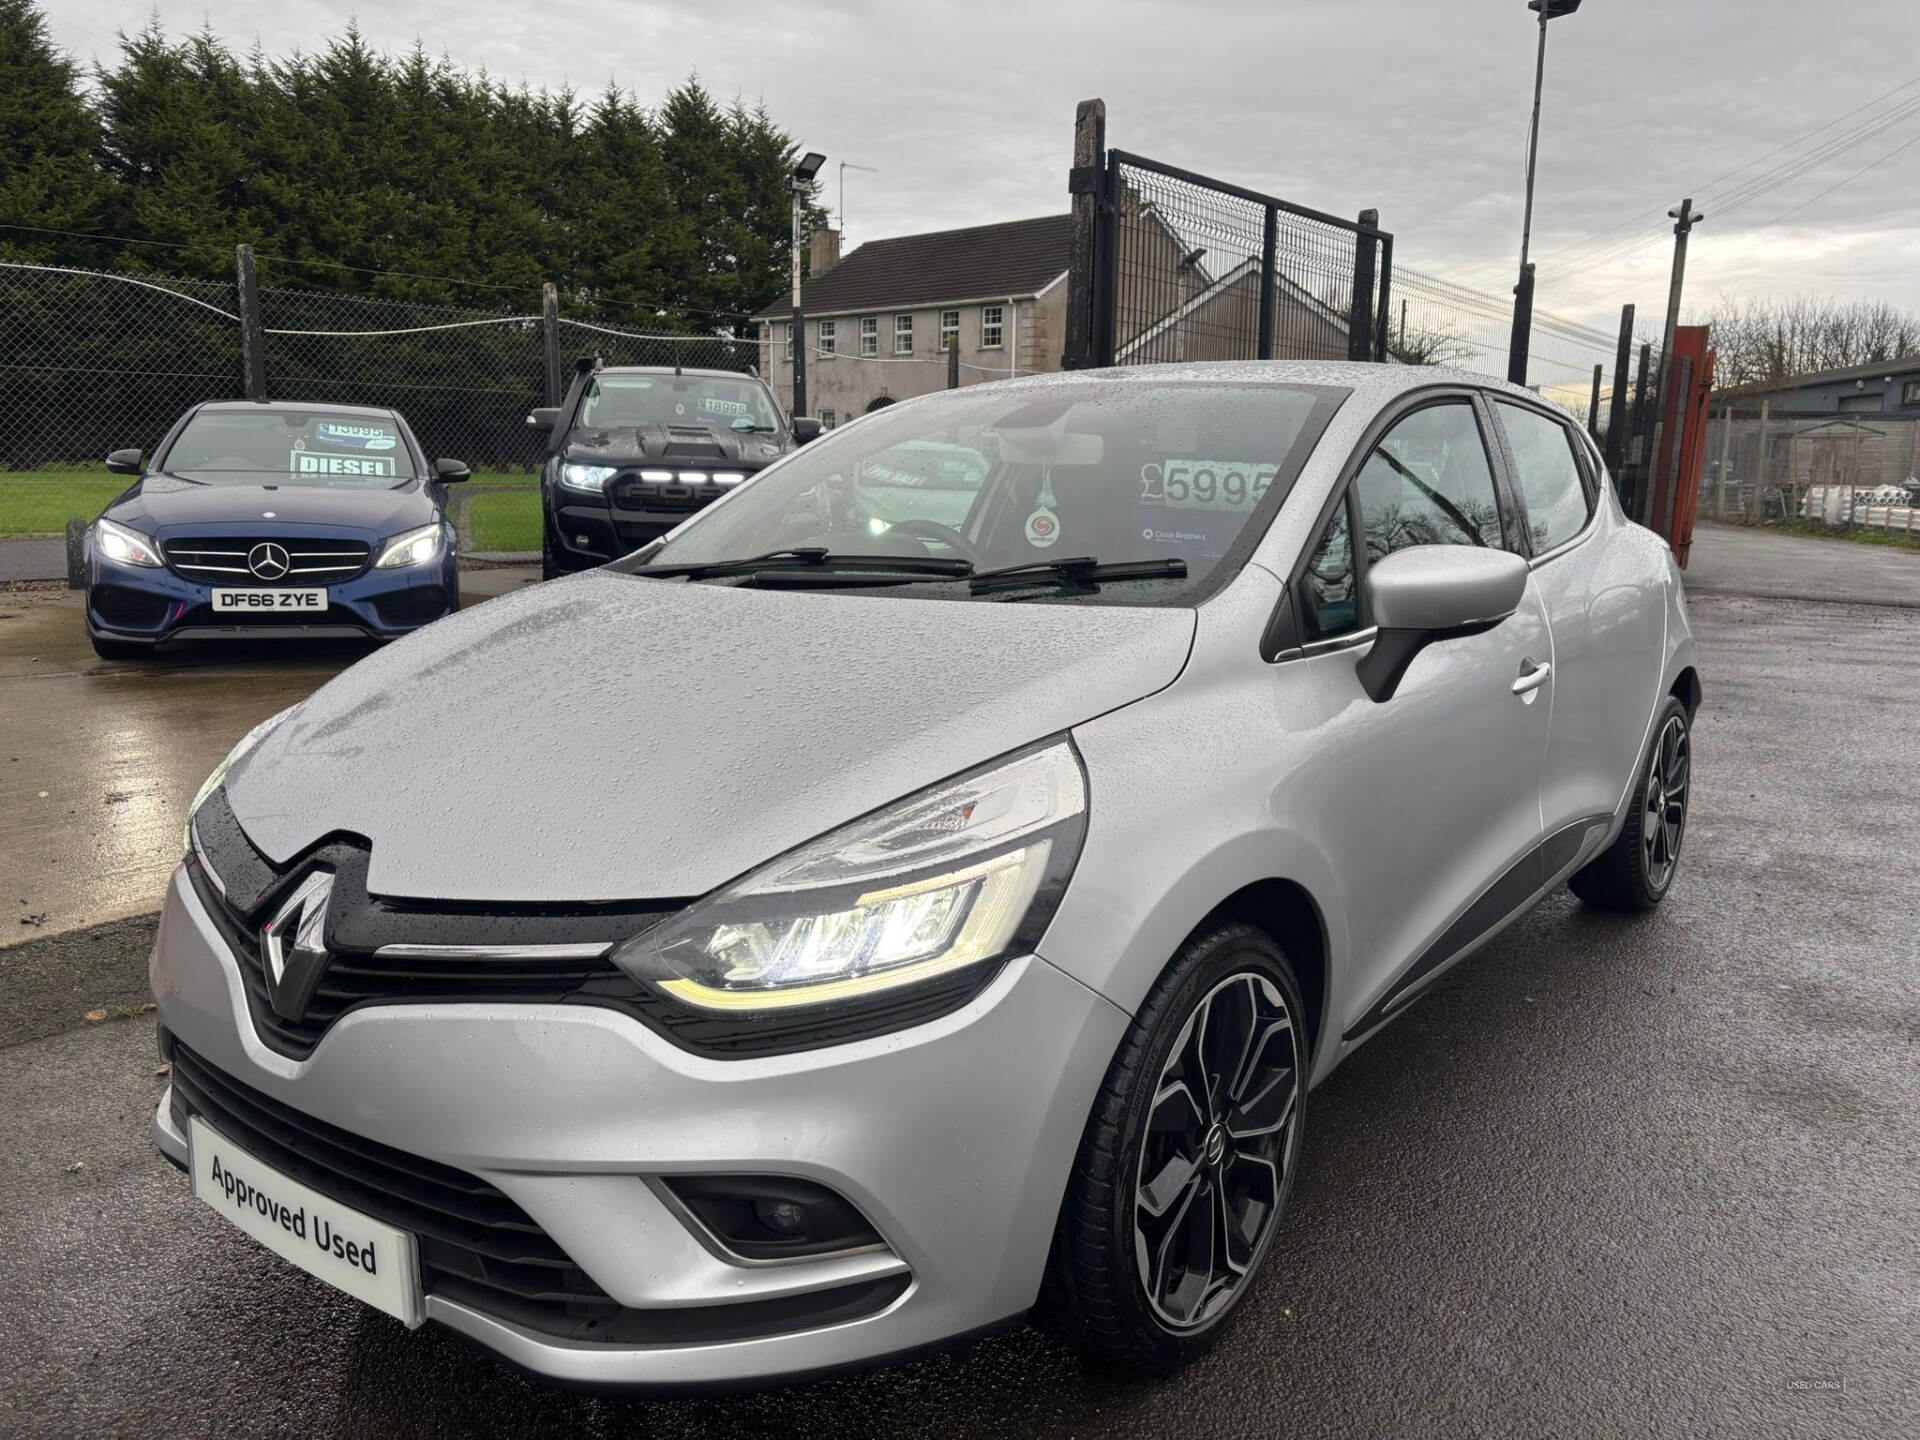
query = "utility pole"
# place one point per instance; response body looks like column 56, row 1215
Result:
column 1685, row 217
column 1593, row 407
column 1615, row 453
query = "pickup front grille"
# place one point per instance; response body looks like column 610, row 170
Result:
column 222, row 559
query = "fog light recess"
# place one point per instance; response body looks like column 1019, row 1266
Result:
column 772, row 1217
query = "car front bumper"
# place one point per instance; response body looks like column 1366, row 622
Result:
column 953, row 1138
column 145, row 604
column 586, row 529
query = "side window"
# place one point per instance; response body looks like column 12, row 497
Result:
column 1428, row 483
column 1551, row 487
column 1328, row 603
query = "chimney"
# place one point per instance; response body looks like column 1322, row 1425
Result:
column 824, row 253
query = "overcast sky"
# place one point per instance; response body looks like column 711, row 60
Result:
column 1416, row 107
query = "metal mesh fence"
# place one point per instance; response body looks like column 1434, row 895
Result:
column 95, row 361
column 1206, row 271
column 1832, row 472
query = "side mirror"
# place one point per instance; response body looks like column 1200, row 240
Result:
column 124, row 462
column 545, row 417
column 451, row 472
column 1429, row 593
column 805, row 428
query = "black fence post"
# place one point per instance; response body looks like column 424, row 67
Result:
column 1083, row 186
column 1106, row 268
column 1360, row 313
column 1269, row 257
column 1593, row 406
column 1386, row 302
column 550, row 322
column 1636, row 464
column 1522, row 335
column 253, row 337
column 799, row 334
column 953, row 362
column 1617, row 408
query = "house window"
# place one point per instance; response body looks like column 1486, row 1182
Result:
column 990, row 327
column 869, row 334
column 826, row 337
column 787, row 329
column 1910, row 393
column 903, row 334
column 949, row 327
column 828, row 420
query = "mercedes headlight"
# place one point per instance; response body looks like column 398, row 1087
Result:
column 591, row 478
column 965, row 872
column 127, row 547
column 214, row 781
column 416, row 547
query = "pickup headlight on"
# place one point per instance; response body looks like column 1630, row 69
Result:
column 416, row 547
column 124, row 546
column 966, row 872
column 590, row 478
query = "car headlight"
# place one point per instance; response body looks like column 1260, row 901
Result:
column 959, row 874
column 127, row 547
column 416, row 547
column 214, row 781
column 591, row 478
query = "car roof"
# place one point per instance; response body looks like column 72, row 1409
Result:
column 1368, row 380
column 275, row 406
column 695, row 370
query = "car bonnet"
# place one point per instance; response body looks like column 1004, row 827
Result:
column 607, row 737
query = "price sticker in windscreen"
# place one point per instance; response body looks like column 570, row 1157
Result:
column 1183, row 484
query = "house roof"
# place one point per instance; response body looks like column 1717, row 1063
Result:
column 1879, row 369
column 982, row 262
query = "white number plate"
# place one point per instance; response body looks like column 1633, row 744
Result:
column 230, row 601
column 369, row 1260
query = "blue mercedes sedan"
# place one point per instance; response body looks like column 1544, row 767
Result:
column 271, row 520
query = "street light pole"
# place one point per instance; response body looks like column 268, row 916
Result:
column 803, row 174
column 1523, row 286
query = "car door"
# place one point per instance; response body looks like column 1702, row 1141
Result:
column 1428, row 805
column 1607, row 626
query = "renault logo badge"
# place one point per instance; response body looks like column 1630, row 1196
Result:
column 293, row 946
column 268, row 561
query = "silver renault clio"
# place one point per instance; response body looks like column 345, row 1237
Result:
column 919, row 892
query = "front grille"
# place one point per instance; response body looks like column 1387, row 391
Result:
column 632, row 493
column 469, row 1232
column 477, row 1246
column 222, row 559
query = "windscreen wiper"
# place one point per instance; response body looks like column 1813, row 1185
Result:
column 798, row 557
column 1075, row 570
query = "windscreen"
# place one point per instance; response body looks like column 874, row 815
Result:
column 717, row 402
column 290, row 447
column 1122, row 471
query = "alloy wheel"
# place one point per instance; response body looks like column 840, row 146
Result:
column 1665, row 821
column 1220, row 1144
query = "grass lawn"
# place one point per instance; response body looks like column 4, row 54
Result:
column 507, row 521
column 40, row 502
column 1858, row 535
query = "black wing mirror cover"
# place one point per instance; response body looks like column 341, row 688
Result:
column 124, row 462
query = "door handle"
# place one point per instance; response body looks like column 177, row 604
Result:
column 1532, row 680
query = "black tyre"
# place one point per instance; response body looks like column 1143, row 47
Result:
column 1636, row 871
column 119, row 649
column 1187, row 1160
column 550, row 568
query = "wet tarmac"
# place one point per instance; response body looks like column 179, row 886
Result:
column 99, row 759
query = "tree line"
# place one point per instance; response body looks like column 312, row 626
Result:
column 402, row 177
column 1768, row 339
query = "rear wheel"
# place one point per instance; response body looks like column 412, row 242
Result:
column 1636, row 871
column 1187, row 1159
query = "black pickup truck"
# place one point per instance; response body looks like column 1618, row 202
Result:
column 634, row 450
